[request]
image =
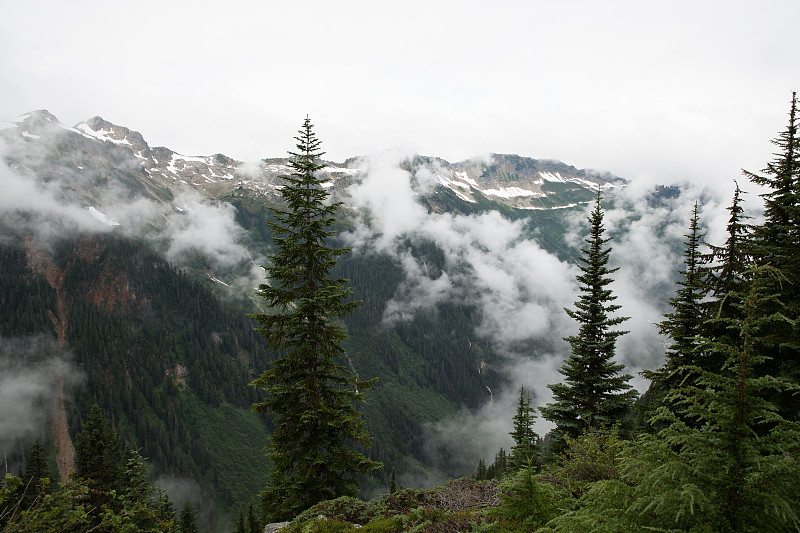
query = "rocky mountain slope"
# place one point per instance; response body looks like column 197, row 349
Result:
column 97, row 148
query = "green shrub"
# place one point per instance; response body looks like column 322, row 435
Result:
column 525, row 502
column 384, row 525
column 403, row 501
column 346, row 508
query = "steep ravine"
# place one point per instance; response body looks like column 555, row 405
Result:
column 39, row 262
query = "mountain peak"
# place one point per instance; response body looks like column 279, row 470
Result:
column 36, row 121
column 103, row 130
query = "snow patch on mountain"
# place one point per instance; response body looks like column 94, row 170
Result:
column 512, row 192
column 552, row 176
column 102, row 217
column 102, row 134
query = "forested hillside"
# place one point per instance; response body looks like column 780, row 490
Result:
column 167, row 361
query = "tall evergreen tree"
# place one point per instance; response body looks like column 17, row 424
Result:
column 253, row 523
column 594, row 393
column 525, row 450
column 36, row 470
column 776, row 243
column 135, row 487
column 311, row 396
column 736, row 471
column 98, row 457
column 149, row 508
column 684, row 324
column 738, row 468
column 241, row 527
column 480, row 472
column 726, row 277
column 779, row 236
column 188, row 519
column 730, row 261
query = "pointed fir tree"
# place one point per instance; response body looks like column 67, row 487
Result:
column 393, row 482
column 729, row 262
column 310, row 395
column 778, row 237
column 726, row 277
column 98, row 458
column 36, row 471
column 135, row 487
column 684, row 324
column 594, row 393
column 498, row 468
column 776, row 242
column 253, row 523
column 735, row 471
column 481, row 472
column 140, row 500
column 738, row 469
column 525, row 451
column 188, row 519
column 240, row 524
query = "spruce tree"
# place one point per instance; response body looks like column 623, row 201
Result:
column 525, row 450
column 594, row 393
column 498, row 468
column 253, row 523
column 36, row 471
column 188, row 519
column 98, row 458
column 240, row 524
column 737, row 470
column 481, row 472
column 776, row 242
column 145, row 504
column 726, row 278
column 684, row 324
column 310, row 395
column 135, row 487
column 729, row 262
column 778, row 237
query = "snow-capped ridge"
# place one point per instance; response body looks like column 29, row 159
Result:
column 508, row 179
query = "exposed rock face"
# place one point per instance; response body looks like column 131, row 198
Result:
column 65, row 451
column 277, row 526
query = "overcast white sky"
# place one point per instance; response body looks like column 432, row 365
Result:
column 667, row 91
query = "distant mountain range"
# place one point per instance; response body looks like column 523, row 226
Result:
column 510, row 180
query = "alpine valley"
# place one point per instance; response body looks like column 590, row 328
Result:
column 128, row 272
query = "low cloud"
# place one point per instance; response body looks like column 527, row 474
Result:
column 204, row 227
column 187, row 229
column 181, row 490
column 516, row 285
column 29, row 369
column 519, row 289
column 478, row 434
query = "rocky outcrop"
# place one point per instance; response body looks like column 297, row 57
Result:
column 276, row 526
